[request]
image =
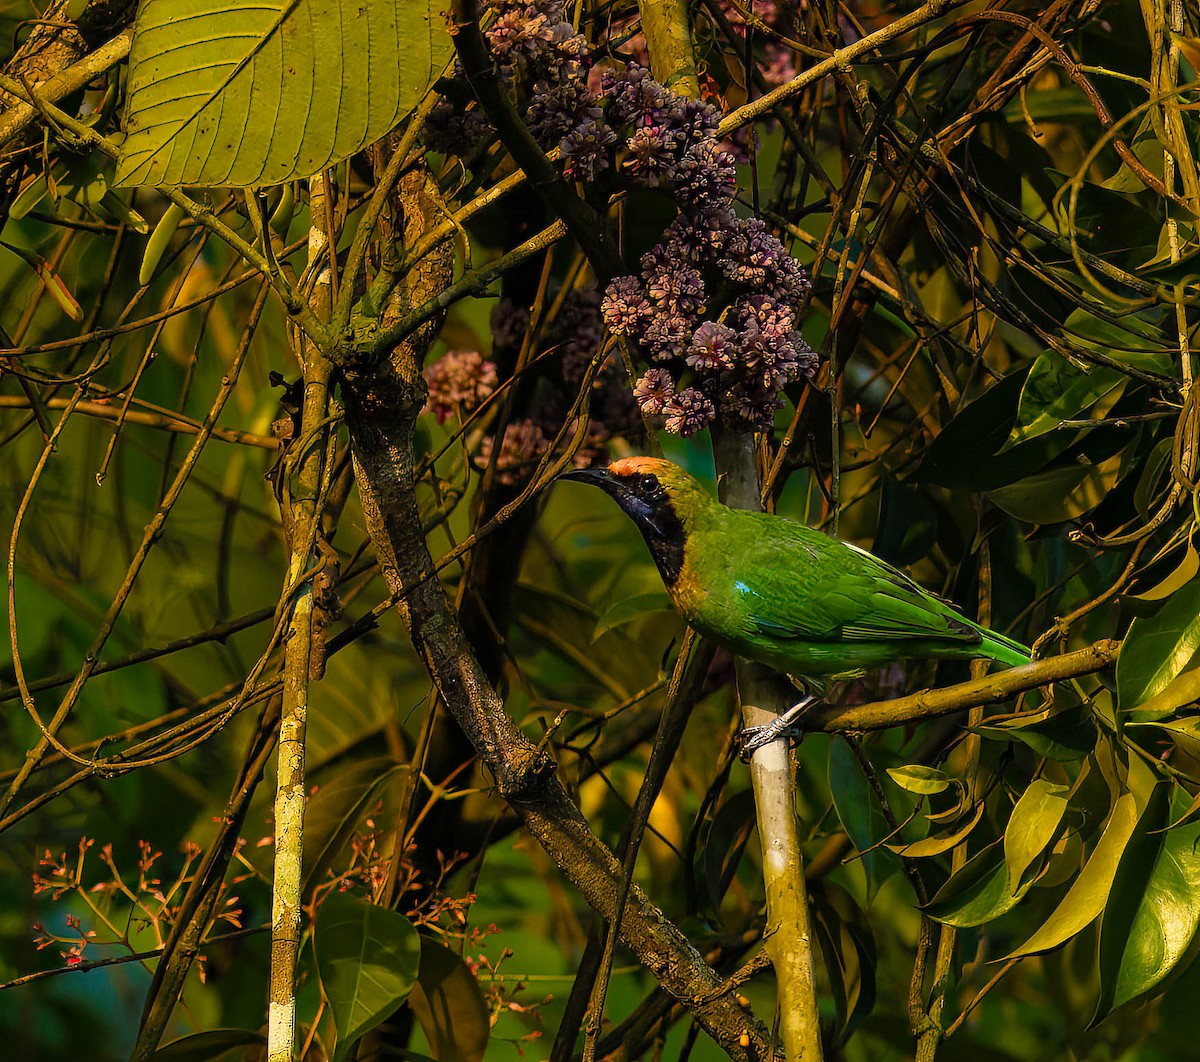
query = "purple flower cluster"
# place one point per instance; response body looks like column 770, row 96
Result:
column 538, row 50
column 715, row 307
column 536, row 39
column 454, row 130
column 523, row 446
column 575, row 333
column 458, row 382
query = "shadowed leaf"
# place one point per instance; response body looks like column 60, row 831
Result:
column 368, row 957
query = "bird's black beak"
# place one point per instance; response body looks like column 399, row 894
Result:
column 597, row 477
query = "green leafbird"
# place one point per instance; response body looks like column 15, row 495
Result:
column 772, row 590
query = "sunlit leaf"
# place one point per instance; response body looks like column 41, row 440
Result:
column 925, row 781
column 979, row 892
column 369, row 958
column 55, row 287
column 1152, row 915
column 1034, row 823
column 1058, row 494
column 1056, row 390
column 1183, row 573
column 1182, row 689
column 1159, row 647
column 241, row 93
column 938, row 843
column 1087, row 896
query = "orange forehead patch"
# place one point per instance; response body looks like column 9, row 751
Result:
column 627, row 466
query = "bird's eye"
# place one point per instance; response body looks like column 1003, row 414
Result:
column 647, row 484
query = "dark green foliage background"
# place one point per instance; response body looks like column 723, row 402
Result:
column 1007, row 390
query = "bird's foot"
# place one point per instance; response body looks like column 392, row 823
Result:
column 782, row 728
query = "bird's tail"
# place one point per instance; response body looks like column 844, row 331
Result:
column 1002, row 649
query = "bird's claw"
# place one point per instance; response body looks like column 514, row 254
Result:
column 782, row 728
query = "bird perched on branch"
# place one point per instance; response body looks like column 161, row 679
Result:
column 772, row 590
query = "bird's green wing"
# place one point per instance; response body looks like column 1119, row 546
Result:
column 803, row 585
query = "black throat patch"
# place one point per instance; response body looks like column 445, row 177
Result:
column 664, row 534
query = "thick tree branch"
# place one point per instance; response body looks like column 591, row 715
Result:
column 381, row 410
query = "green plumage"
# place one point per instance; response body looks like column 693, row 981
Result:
column 775, row 591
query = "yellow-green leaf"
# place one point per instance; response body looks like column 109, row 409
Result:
column 1032, row 826
column 1086, row 897
column 916, row 778
column 256, row 92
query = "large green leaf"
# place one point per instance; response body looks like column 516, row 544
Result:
column 336, row 808
column 257, row 92
column 449, row 1006
column 1159, row 647
column 369, row 958
column 1151, row 918
column 1053, row 495
column 1065, row 735
column 1167, row 916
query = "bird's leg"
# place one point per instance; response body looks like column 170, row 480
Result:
column 781, row 728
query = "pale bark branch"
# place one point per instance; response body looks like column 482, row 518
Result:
column 992, row 689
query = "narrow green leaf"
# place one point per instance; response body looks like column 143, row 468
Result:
column 256, row 92
column 939, row 842
column 1182, row 689
column 368, row 958
column 30, row 196
column 1086, row 898
column 160, row 240
column 1180, row 577
column 725, row 843
column 116, row 207
column 1032, row 826
column 51, row 281
column 848, row 948
column 1159, row 647
column 925, row 781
